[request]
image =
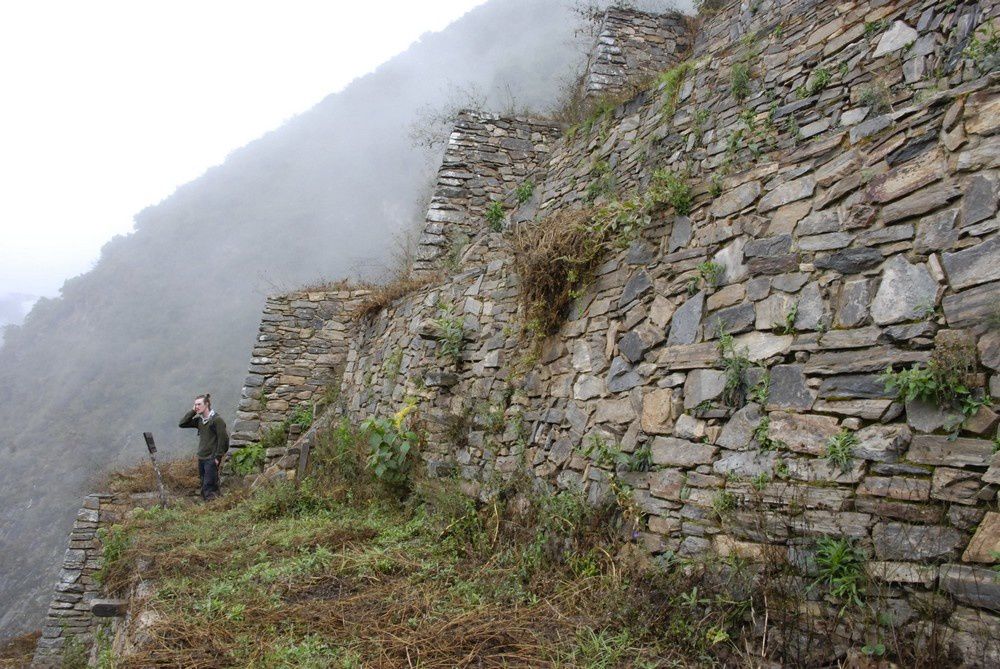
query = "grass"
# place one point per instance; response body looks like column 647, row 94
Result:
column 179, row 477
column 739, row 81
column 383, row 295
column 16, row 653
column 840, row 449
column 343, row 572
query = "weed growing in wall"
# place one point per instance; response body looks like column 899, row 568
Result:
column 815, row 83
column 735, row 364
column 391, row 447
column 949, row 380
column 666, row 187
column 875, row 95
column 495, row 215
column 840, row 566
column 984, row 48
column 739, row 81
column 524, row 192
column 449, row 330
column 248, row 459
column 840, row 449
column 671, row 81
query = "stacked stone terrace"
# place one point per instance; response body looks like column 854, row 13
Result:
column 486, row 157
column 855, row 226
column 632, row 45
column 69, row 615
column 300, row 352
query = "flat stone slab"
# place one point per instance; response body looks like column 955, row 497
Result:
column 974, row 265
column 985, row 544
column 928, row 449
column 905, row 290
column 901, row 541
column 108, row 608
column 895, row 38
column 976, row 586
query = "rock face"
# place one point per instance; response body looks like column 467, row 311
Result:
column 823, row 260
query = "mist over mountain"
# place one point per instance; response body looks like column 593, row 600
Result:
column 171, row 310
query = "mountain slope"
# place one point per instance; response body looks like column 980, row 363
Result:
column 171, row 310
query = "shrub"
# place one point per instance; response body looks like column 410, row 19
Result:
column 524, row 192
column 495, row 216
column 391, row 447
column 248, row 459
column 670, row 188
column 815, row 83
column 275, row 436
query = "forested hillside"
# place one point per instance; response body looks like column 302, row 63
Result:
column 171, row 310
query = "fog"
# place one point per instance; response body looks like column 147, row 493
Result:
column 171, row 310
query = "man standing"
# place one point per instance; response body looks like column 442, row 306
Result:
column 213, row 442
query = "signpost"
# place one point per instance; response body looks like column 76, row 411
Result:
column 151, row 447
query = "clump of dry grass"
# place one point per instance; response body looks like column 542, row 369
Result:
column 16, row 653
column 553, row 258
column 383, row 295
column 180, row 477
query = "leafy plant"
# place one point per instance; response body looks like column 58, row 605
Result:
column 762, row 389
column 391, row 447
column 671, row 81
column 301, row 416
column 787, row 326
column 524, row 192
column 815, row 83
column 275, row 436
column 248, row 459
column 840, row 449
column 666, row 186
column 392, row 363
column 495, row 216
column 841, row 567
column 449, row 331
column 984, row 48
column 948, row 380
column 762, row 435
column 760, row 481
column 712, row 273
column 715, row 185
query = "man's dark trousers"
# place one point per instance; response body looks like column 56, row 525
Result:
column 208, row 470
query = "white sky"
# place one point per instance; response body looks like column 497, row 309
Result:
column 109, row 105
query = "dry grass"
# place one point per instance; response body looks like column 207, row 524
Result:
column 384, row 295
column 16, row 653
column 553, row 258
column 180, row 477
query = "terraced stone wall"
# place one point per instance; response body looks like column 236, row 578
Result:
column 632, row 45
column 69, row 619
column 844, row 219
column 487, row 156
column 300, row 351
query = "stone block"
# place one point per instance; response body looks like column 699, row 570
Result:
column 803, row 433
column 901, row 541
column 703, row 385
column 674, row 452
column 958, row 485
column 975, row 586
column 939, row 450
column 974, row 265
column 905, row 291
column 737, row 433
column 896, row 487
column 657, row 411
column 985, row 544
column 686, row 321
column 789, row 389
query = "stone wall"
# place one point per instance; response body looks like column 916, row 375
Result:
column 300, row 352
column 847, row 203
column 69, row 615
column 487, row 156
column 632, row 45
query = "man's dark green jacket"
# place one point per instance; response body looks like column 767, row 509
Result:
column 213, row 438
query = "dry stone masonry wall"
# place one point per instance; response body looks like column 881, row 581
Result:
column 632, row 45
column 300, row 352
column 486, row 158
column 69, row 619
column 843, row 160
